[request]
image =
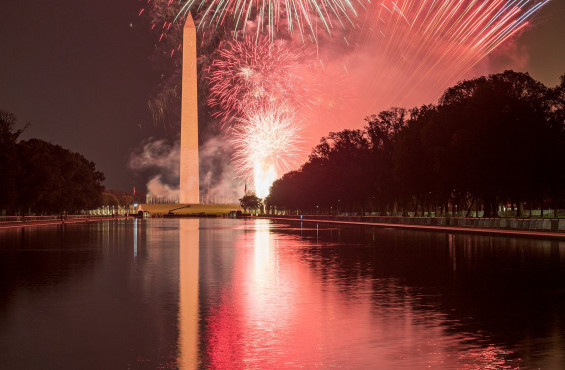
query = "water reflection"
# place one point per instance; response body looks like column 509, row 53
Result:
column 256, row 294
column 72, row 296
column 189, row 245
column 135, row 239
column 298, row 298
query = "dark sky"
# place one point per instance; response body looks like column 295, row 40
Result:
column 81, row 75
column 79, row 71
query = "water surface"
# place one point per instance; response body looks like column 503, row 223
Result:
column 220, row 293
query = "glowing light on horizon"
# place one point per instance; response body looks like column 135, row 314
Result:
column 266, row 142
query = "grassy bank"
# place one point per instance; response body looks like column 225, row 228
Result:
column 193, row 209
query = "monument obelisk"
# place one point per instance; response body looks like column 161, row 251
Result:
column 189, row 176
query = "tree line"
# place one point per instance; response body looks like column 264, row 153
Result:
column 37, row 177
column 490, row 141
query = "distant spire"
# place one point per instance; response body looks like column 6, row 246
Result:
column 189, row 21
column 189, row 181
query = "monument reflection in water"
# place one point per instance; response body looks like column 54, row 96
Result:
column 277, row 296
column 189, row 246
column 220, row 293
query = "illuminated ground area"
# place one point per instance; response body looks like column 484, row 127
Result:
column 208, row 209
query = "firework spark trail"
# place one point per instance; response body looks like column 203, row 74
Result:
column 267, row 144
column 162, row 14
column 399, row 52
column 430, row 42
column 270, row 16
column 252, row 73
column 416, row 43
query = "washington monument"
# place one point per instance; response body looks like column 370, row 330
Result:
column 189, row 176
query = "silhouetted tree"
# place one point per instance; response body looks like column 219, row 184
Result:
column 9, row 163
column 55, row 179
column 498, row 133
column 109, row 199
column 285, row 192
column 557, row 188
column 383, row 130
column 418, row 180
column 126, row 198
column 490, row 141
column 37, row 176
column 250, row 202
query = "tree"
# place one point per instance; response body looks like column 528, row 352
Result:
column 336, row 175
column 496, row 134
column 384, row 128
column 54, row 179
column 9, row 163
column 8, row 134
column 37, row 176
column 250, row 202
column 414, row 171
column 557, row 190
column 125, row 198
column 491, row 140
column 383, row 131
column 109, row 199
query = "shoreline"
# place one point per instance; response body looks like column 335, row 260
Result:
column 440, row 228
column 50, row 222
column 313, row 219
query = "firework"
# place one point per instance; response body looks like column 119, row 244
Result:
column 304, row 16
column 410, row 49
column 398, row 53
column 252, row 73
column 429, row 44
column 267, row 144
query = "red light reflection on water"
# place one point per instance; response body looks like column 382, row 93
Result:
column 279, row 311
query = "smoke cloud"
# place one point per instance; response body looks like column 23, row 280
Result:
column 158, row 160
column 218, row 182
column 510, row 55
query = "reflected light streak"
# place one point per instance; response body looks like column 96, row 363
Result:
column 189, row 244
column 282, row 310
column 135, row 239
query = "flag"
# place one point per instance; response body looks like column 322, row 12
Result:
column 245, row 191
column 134, row 191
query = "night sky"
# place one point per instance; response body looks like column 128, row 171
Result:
column 80, row 72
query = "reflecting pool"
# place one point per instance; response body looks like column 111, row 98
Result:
column 224, row 293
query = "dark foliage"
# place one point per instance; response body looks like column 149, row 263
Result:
column 9, row 166
column 491, row 140
column 250, row 202
column 40, row 177
column 114, row 197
